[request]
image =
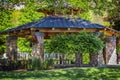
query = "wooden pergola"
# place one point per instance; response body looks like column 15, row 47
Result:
column 47, row 27
column 52, row 24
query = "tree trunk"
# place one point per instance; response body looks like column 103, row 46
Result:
column 78, row 61
column 94, row 60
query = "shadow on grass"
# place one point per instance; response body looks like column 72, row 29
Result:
column 112, row 73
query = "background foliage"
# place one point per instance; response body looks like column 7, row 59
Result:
column 11, row 17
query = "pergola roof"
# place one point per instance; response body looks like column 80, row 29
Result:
column 62, row 22
column 57, row 22
column 53, row 25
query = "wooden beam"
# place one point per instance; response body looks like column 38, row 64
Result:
column 109, row 32
column 70, row 12
column 63, row 29
column 51, row 31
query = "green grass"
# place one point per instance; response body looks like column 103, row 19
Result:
column 111, row 73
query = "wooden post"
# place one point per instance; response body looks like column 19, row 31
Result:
column 12, row 47
column 37, row 46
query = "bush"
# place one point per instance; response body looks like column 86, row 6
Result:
column 29, row 64
column 36, row 63
column 8, row 65
column 118, row 49
column 48, row 63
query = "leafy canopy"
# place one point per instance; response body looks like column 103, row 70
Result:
column 98, row 6
column 10, row 18
column 83, row 42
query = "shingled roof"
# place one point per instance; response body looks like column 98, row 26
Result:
column 57, row 22
column 62, row 22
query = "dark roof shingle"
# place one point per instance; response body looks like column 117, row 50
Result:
column 57, row 22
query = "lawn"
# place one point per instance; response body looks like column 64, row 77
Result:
column 111, row 73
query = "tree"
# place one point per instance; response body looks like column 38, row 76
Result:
column 10, row 18
column 98, row 6
column 81, row 43
column 114, row 16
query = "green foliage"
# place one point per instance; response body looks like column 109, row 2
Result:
column 48, row 63
column 86, row 42
column 2, row 44
column 118, row 49
column 29, row 14
column 86, row 58
column 36, row 63
column 24, row 45
column 23, row 63
column 83, row 42
column 8, row 65
column 70, row 57
column 29, row 64
column 97, row 6
column 5, row 19
column 10, row 18
column 58, row 44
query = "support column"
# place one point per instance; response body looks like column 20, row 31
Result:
column 78, row 61
column 38, row 46
column 100, row 59
column 94, row 60
column 110, row 46
column 12, row 47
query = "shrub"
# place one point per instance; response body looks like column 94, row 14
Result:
column 29, row 64
column 36, row 63
column 48, row 63
column 118, row 49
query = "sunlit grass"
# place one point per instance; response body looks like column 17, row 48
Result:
column 112, row 73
